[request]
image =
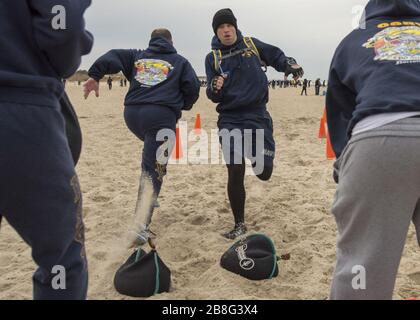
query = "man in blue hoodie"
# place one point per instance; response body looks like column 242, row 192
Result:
column 162, row 84
column 238, row 84
column 373, row 112
column 39, row 191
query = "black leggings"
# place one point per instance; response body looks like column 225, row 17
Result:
column 236, row 188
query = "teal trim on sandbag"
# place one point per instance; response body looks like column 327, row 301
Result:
column 138, row 255
column 272, row 247
column 274, row 253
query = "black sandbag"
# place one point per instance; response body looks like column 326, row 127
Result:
column 253, row 257
column 143, row 275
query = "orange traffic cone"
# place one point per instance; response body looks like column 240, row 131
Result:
column 322, row 133
column 197, row 126
column 177, row 151
column 330, row 151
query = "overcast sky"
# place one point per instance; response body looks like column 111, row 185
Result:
column 308, row 30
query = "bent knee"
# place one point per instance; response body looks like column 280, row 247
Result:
column 266, row 174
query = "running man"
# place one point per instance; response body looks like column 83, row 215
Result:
column 373, row 111
column 238, row 84
column 162, row 84
column 39, row 191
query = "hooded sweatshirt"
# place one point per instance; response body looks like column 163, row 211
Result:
column 157, row 75
column 245, row 90
column 375, row 69
column 34, row 56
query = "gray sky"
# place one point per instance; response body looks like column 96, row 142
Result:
column 308, row 30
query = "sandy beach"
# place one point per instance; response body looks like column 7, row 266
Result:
column 293, row 208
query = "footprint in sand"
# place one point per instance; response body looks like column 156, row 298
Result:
column 223, row 210
column 291, row 136
column 290, row 237
column 6, row 286
column 303, row 163
column 97, row 198
column 198, row 220
column 415, row 276
column 99, row 255
column 194, row 194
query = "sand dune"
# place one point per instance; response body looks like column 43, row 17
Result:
column 293, row 209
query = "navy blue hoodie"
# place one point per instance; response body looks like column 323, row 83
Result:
column 246, row 87
column 157, row 75
column 375, row 70
column 33, row 56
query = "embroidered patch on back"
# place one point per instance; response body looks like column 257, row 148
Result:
column 400, row 44
column 151, row 72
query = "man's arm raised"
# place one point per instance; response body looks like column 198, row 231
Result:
column 111, row 62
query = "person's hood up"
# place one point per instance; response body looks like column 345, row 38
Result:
column 160, row 45
column 392, row 8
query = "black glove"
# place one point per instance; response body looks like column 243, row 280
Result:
column 213, row 84
column 297, row 72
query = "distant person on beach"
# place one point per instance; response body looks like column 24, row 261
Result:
column 109, row 82
column 162, row 84
column 317, row 86
column 40, row 195
column 304, row 86
column 238, row 84
column 373, row 114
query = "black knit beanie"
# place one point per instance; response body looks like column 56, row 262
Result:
column 224, row 16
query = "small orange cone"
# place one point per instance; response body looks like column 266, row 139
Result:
column 324, row 116
column 322, row 133
column 177, row 152
column 197, row 126
column 330, row 151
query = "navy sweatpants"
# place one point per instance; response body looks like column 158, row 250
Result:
column 259, row 147
column 40, row 197
column 145, row 122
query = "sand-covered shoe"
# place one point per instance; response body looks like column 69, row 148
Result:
column 141, row 237
column 239, row 230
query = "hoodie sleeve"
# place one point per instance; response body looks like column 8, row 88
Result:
column 271, row 55
column 190, row 86
column 341, row 102
column 211, row 73
column 113, row 62
column 63, row 47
